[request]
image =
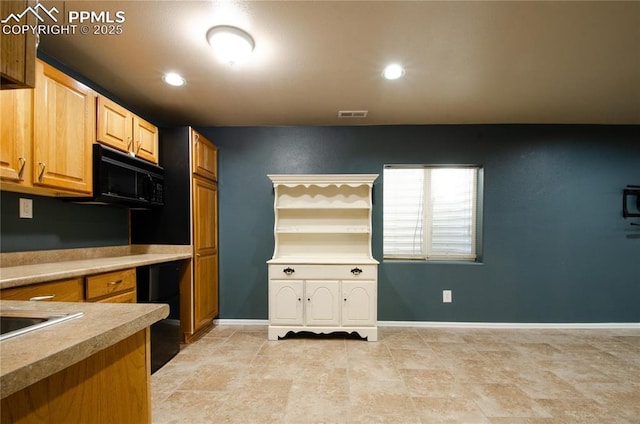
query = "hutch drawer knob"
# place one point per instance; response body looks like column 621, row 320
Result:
column 356, row 271
column 288, row 270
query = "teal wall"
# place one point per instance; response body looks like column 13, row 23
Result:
column 58, row 224
column 555, row 249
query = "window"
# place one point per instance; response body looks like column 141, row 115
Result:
column 430, row 213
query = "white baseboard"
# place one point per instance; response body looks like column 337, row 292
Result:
column 510, row 325
column 241, row 322
column 489, row 325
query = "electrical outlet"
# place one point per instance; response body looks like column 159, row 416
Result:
column 26, row 208
column 447, row 296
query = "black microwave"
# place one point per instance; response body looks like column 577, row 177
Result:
column 124, row 180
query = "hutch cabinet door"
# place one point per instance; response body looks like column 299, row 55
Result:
column 323, row 303
column 285, row 302
column 359, row 303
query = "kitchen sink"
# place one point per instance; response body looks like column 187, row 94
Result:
column 15, row 322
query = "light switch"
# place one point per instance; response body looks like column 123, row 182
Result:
column 446, row 296
column 26, row 208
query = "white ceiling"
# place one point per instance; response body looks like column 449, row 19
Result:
column 466, row 62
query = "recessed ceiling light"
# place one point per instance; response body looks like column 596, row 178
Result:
column 393, row 71
column 174, row 79
column 230, row 44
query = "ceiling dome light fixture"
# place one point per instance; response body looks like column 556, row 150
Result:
column 230, row 44
column 393, row 71
column 174, row 79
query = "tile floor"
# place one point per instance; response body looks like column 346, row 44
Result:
column 411, row 375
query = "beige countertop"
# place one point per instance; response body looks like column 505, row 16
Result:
column 30, row 357
column 23, row 268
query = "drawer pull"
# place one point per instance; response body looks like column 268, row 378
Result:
column 42, row 166
column 356, row 271
column 23, row 162
column 113, row 283
column 288, row 270
column 47, row 297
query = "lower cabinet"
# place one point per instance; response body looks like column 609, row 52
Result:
column 117, row 286
column 113, row 287
column 69, row 290
column 322, row 305
column 111, row 386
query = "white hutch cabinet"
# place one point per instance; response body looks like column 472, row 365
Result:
column 322, row 276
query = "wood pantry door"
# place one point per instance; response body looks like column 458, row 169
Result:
column 205, row 238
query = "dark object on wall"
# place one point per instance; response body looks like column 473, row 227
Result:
column 161, row 284
column 170, row 224
column 628, row 208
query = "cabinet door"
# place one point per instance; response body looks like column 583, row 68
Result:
column 114, row 125
column 17, row 67
column 145, row 137
column 205, row 245
column 205, row 293
column 205, row 157
column 16, row 134
column 359, row 303
column 64, row 131
column 285, row 302
column 322, row 303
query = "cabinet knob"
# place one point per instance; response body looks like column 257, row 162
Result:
column 299, row 299
column 356, row 271
column 288, row 270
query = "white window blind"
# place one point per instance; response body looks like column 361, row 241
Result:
column 430, row 213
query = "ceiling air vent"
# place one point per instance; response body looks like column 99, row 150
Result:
column 352, row 113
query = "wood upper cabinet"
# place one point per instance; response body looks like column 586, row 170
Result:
column 119, row 128
column 64, row 132
column 16, row 135
column 17, row 67
column 205, row 157
column 145, row 139
column 114, row 125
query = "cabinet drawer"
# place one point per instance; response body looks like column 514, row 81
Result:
column 110, row 283
column 126, row 297
column 323, row 272
column 71, row 290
